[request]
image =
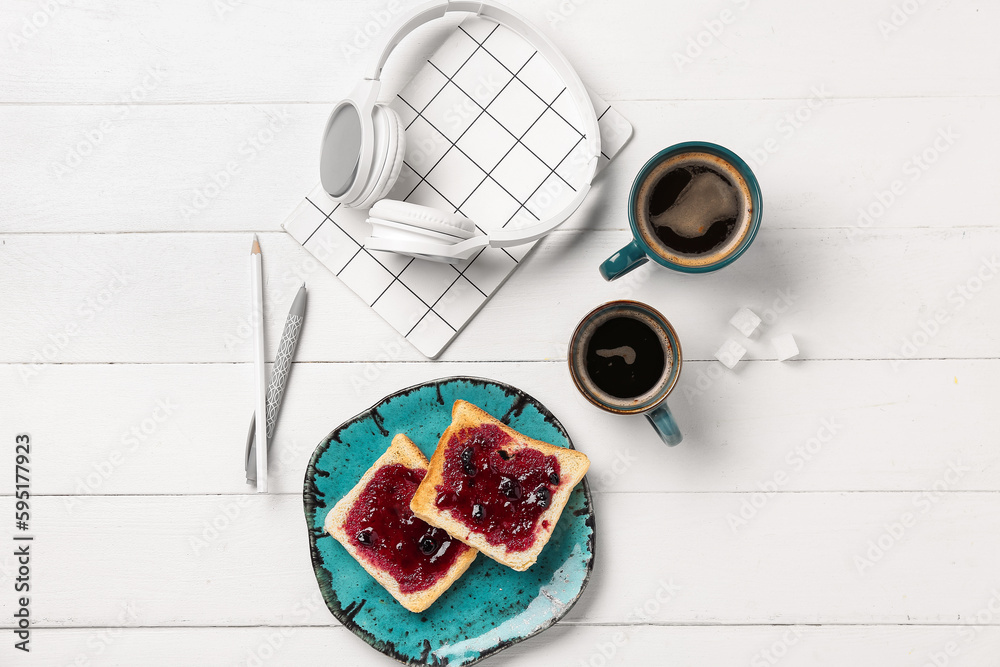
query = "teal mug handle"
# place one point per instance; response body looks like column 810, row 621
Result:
column 627, row 259
column 665, row 425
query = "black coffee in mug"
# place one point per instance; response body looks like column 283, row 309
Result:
column 624, row 357
column 695, row 206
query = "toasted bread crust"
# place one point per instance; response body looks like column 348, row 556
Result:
column 573, row 466
column 403, row 451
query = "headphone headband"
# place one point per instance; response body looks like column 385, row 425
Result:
column 436, row 9
column 591, row 141
column 419, row 15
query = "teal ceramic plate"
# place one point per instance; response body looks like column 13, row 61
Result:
column 491, row 607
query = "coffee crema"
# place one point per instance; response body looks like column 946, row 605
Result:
column 694, row 209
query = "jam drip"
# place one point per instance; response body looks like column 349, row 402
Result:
column 494, row 492
column 387, row 535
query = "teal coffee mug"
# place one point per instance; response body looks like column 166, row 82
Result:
column 694, row 207
column 625, row 358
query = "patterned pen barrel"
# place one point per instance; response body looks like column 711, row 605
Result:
column 279, row 377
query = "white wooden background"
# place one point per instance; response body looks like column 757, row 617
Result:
column 118, row 247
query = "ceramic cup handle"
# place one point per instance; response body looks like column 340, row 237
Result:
column 665, row 425
column 627, row 259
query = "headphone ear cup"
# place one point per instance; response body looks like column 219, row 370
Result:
column 390, row 148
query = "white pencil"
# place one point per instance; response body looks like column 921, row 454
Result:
column 259, row 369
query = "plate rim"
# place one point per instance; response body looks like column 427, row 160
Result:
column 345, row 615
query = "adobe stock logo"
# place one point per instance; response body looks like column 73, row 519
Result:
column 138, row 440
column 606, row 652
column 474, row 103
column 712, row 30
column 791, row 122
column 913, row 169
column 370, row 30
column 899, row 16
column 54, row 348
column 958, row 297
column 89, row 141
column 796, row 460
column 894, row 531
column 965, row 635
column 565, row 9
column 778, row 649
column 33, row 22
column 707, row 375
column 198, row 199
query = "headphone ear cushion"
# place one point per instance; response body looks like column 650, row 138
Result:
column 388, row 161
column 423, row 217
column 397, row 158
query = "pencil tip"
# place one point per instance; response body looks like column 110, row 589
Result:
column 255, row 248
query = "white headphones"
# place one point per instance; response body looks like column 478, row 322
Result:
column 364, row 143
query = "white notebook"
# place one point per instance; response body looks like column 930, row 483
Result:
column 491, row 133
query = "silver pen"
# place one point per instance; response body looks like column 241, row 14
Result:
column 279, row 377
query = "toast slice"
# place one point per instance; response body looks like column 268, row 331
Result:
column 415, row 562
column 496, row 489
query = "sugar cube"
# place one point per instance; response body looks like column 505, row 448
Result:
column 745, row 321
column 730, row 353
column 785, row 346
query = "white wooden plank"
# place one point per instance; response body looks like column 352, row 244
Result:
column 155, row 168
column 565, row 644
column 187, row 560
column 244, row 167
column 183, row 91
column 184, row 298
column 290, row 51
column 180, row 429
